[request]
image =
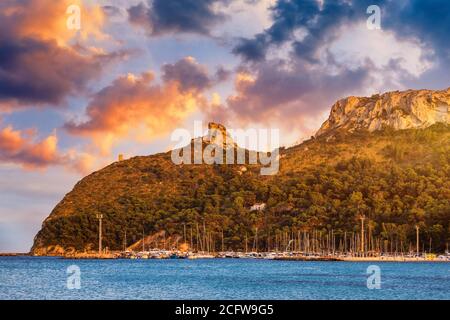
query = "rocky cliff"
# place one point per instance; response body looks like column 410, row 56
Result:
column 412, row 109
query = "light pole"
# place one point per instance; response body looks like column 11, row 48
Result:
column 99, row 217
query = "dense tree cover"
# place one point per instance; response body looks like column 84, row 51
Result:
column 396, row 179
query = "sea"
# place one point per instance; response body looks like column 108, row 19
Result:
column 42, row 278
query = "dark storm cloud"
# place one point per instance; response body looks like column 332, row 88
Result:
column 176, row 16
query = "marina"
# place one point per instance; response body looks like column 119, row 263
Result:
column 278, row 256
column 284, row 246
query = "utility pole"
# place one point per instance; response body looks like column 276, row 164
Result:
column 363, row 217
column 417, row 240
column 100, row 218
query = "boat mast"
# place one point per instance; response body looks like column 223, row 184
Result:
column 100, row 218
column 143, row 241
column 125, row 242
column 417, row 240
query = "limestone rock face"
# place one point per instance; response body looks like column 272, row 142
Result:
column 396, row 110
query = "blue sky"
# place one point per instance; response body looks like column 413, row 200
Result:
column 72, row 100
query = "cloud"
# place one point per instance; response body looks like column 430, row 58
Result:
column 222, row 74
column 81, row 162
column 47, row 20
column 427, row 21
column 161, row 17
column 112, row 11
column 37, row 72
column 252, row 49
column 38, row 63
column 136, row 106
column 281, row 93
column 288, row 75
column 192, row 76
column 320, row 22
column 25, row 149
column 188, row 73
column 392, row 56
column 21, row 148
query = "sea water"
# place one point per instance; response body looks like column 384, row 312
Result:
column 51, row 278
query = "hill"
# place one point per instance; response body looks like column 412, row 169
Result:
column 397, row 178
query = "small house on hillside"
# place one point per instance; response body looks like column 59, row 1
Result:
column 258, row 207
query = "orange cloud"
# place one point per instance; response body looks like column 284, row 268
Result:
column 47, row 19
column 23, row 148
column 242, row 83
column 135, row 107
column 20, row 148
column 82, row 162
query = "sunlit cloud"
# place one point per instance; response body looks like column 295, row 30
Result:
column 136, row 107
column 22, row 148
column 47, row 20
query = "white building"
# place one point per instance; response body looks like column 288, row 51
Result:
column 258, row 207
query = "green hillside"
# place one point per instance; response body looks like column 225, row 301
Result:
column 396, row 178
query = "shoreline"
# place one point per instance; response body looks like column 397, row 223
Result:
column 391, row 259
column 14, row 254
column 114, row 256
